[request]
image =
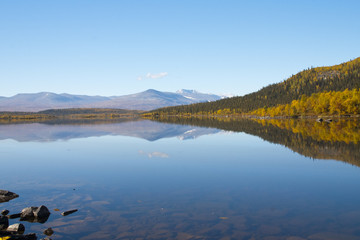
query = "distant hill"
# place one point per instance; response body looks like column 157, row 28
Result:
column 147, row 100
column 152, row 99
column 307, row 82
column 33, row 102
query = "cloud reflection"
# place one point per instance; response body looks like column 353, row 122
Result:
column 154, row 154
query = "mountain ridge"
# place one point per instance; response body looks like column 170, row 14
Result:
column 146, row 100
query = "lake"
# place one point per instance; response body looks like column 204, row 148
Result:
column 186, row 178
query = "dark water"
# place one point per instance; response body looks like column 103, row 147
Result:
column 151, row 180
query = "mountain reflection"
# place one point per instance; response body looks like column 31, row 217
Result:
column 337, row 140
column 54, row 131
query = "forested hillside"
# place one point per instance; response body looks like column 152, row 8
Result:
column 314, row 80
column 325, row 103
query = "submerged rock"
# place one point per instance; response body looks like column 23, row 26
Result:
column 6, row 196
column 49, row 232
column 30, row 236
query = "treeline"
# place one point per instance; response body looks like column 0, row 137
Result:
column 71, row 113
column 307, row 82
column 96, row 113
column 5, row 116
column 326, row 103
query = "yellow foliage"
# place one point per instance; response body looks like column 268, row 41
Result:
column 333, row 103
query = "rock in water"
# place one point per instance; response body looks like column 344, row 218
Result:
column 27, row 213
column 4, row 223
column 42, row 212
column 35, row 214
column 6, row 196
column 5, row 212
column 12, row 216
column 68, row 212
column 30, row 236
column 16, row 228
column 49, row 232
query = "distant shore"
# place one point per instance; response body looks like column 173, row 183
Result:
column 66, row 114
column 113, row 114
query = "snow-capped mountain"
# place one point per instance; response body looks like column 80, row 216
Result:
column 197, row 96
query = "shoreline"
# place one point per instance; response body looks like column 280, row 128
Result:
column 106, row 114
column 230, row 116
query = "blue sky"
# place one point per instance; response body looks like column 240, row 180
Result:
column 111, row 47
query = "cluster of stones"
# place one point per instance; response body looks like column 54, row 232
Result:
column 30, row 214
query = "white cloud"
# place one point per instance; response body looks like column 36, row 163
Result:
column 152, row 76
column 156, row 75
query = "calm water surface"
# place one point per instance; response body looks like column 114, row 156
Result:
column 151, row 180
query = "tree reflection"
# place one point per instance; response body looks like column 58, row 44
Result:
column 338, row 140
